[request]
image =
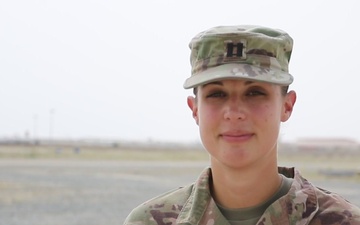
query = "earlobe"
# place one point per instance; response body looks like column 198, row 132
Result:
column 288, row 105
column 191, row 101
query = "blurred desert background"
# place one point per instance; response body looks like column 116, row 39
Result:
column 97, row 182
column 110, row 70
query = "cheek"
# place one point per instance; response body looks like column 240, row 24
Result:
column 262, row 112
column 267, row 114
column 209, row 124
column 207, row 114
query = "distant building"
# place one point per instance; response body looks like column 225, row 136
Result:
column 327, row 145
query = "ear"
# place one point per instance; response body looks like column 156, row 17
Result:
column 191, row 101
column 288, row 107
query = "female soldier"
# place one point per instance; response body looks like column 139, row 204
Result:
column 240, row 79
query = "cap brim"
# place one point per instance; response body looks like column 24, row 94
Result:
column 239, row 71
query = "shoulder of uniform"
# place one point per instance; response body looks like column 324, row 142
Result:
column 168, row 205
column 334, row 209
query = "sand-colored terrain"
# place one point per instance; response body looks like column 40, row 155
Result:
column 53, row 186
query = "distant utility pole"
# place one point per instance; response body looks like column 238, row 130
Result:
column 35, row 120
column 51, row 123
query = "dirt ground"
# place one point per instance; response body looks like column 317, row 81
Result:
column 97, row 192
column 58, row 192
column 101, row 187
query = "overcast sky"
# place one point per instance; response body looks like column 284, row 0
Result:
column 115, row 69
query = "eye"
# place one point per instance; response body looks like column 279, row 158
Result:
column 255, row 92
column 216, row 94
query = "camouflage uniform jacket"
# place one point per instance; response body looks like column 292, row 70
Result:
column 193, row 204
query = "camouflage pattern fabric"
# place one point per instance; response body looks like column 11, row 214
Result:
column 240, row 52
column 193, row 204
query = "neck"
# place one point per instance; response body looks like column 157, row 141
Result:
column 245, row 187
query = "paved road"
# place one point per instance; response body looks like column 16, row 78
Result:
column 57, row 192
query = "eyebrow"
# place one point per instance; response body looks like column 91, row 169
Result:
column 248, row 82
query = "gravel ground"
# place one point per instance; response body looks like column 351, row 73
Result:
column 58, row 192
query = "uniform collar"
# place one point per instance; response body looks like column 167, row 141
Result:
column 300, row 204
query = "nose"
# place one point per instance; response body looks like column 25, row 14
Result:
column 235, row 110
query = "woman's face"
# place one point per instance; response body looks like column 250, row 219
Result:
column 239, row 120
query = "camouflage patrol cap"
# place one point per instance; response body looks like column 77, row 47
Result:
column 240, row 52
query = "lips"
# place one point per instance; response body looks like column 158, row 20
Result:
column 236, row 136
